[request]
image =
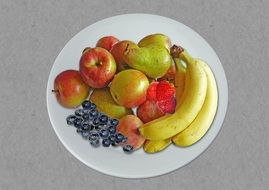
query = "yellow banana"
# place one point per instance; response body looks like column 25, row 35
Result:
column 158, row 145
column 204, row 119
column 195, row 91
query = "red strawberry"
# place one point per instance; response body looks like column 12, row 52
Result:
column 151, row 92
column 168, row 105
column 165, row 90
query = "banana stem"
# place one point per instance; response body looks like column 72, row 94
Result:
column 179, row 52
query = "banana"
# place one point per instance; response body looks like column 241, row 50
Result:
column 195, row 91
column 204, row 119
column 156, row 146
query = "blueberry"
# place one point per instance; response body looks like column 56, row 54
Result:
column 127, row 148
column 85, row 134
column 70, row 119
column 95, row 121
column 93, row 113
column 97, row 127
column 91, row 127
column 124, row 139
column 93, row 136
column 93, row 106
column 86, row 116
column 103, row 119
column 95, row 142
column 112, row 138
column 78, row 122
column 119, row 137
column 114, row 122
column 106, row 142
column 112, row 129
column 104, row 133
column 86, row 104
column 79, row 131
column 79, row 112
column 85, row 126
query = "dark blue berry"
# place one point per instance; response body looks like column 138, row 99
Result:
column 79, row 131
column 85, row 134
column 93, row 113
column 112, row 129
column 86, row 104
column 93, row 136
column 119, row 138
column 124, row 139
column 104, row 133
column 112, row 138
column 96, row 121
column 78, row 122
column 97, row 127
column 79, row 112
column 103, row 119
column 93, row 106
column 114, row 122
column 127, row 148
column 106, row 142
column 85, row 126
column 86, row 116
column 70, row 119
column 95, row 142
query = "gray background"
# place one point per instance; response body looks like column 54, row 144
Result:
column 33, row 32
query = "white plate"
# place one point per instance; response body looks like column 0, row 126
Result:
column 113, row 161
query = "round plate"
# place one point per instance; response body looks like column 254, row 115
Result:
column 113, row 161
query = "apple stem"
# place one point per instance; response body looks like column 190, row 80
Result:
column 57, row 91
column 126, row 49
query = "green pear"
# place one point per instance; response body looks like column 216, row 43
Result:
column 155, row 38
column 106, row 104
column 153, row 60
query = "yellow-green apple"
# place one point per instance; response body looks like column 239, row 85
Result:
column 107, row 42
column 129, row 88
column 128, row 126
column 97, row 67
column 69, row 88
column 118, row 50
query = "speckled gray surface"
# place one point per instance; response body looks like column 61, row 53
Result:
column 33, row 32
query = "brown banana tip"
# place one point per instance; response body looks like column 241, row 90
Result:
column 176, row 50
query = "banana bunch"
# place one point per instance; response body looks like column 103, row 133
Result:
column 197, row 99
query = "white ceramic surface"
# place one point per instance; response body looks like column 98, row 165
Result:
column 113, row 161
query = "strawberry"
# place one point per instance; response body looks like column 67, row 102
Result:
column 165, row 90
column 168, row 105
column 151, row 92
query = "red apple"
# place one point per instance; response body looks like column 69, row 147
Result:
column 117, row 52
column 129, row 88
column 69, row 88
column 128, row 126
column 97, row 67
column 149, row 111
column 107, row 42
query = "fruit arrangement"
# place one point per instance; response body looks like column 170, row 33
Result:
column 148, row 94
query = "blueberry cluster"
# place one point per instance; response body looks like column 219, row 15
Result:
column 97, row 127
